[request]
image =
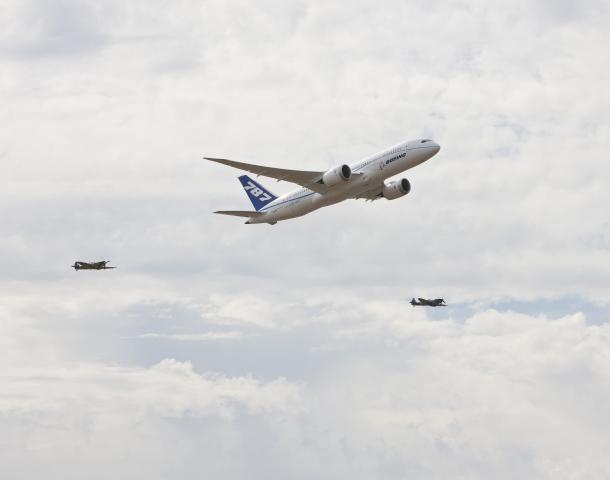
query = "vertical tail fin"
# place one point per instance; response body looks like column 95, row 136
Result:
column 258, row 195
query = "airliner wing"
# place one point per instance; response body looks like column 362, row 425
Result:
column 371, row 194
column 304, row 178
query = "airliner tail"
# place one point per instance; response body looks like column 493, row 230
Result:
column 258, row 195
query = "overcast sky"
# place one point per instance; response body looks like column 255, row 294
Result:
column 224, row 350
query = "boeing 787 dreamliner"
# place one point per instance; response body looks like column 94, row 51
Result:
column 364, row 179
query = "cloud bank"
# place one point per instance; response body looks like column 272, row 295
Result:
column 501, row 394
column 225, row 350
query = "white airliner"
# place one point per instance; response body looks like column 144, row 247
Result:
column 364, row 179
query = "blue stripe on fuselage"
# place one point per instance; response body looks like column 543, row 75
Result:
column 286, row 201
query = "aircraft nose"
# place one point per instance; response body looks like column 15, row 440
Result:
column 435, row 148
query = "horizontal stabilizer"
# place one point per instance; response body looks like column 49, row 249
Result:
column 240, row 213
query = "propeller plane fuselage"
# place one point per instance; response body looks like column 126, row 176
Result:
column 91, row 265
column 423, row 302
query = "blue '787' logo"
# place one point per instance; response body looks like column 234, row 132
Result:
column 257, row 192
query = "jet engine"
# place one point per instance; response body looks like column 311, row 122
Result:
column 396, row 189
column 336, row 175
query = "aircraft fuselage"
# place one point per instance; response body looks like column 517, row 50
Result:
column 366, row 175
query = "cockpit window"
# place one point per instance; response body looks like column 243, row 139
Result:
column 426, row 140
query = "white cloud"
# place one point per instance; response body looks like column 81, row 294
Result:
column 194, row 337
column 167, row 389
column 107, row 109
column 500, row 395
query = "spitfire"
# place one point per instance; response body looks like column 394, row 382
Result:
column 423, row 302
column 91, row 265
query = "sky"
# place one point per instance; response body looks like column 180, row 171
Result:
column 223, row 350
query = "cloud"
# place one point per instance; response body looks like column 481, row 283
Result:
column 498, row 395
column 55, row 29
column 224, row 350
column 167, row 389
column 194, row 337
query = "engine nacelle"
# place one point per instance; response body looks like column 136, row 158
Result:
column 396, row 189
column 336, row 175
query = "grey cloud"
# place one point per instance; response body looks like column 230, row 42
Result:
column 404, row 392
column 57, row 28
column 194, row 337
column 107, row 111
